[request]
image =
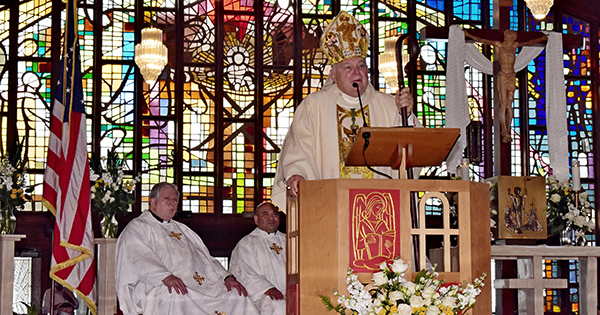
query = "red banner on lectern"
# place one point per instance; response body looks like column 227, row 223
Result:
column 374, row 228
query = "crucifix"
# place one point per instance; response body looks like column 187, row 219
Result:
column 505, row 51
column 505, row 45
column 505, row 42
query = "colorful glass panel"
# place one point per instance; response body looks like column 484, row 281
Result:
column 219, row 139
column 255, row 101
column 467, row 10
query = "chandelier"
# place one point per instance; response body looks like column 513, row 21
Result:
column 539, row 8
column 151, row 54
column 387, row 63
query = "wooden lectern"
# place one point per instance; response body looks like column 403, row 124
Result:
column 401, row 148
column 340, row 223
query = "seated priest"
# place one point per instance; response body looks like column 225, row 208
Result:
column 65, row 302
column 163, row 267
column 259, row 261
column 327, row 121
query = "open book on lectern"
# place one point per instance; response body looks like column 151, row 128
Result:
column 401, row 148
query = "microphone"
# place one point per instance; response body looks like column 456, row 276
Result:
column 366, row 135
column 354, row 84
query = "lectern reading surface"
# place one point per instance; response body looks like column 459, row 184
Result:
column 423, row 146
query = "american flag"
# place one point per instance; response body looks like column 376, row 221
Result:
column 67, row 177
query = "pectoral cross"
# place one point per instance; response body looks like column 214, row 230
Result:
column 175, row 235
column 276, row 248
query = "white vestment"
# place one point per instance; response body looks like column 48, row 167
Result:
column 311, row 146
column 148, row 251
column 258, row 261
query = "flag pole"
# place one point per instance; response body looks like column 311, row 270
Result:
column 67, row 176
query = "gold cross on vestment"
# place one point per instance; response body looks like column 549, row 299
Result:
column 175, row 235
column 219, row 313
column 198, row 278
column 276, row 248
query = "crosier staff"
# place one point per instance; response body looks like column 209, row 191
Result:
column 413, row 49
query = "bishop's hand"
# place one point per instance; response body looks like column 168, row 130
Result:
column 293, row 184
column 404, row 100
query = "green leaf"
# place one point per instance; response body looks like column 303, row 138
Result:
column 420, row 275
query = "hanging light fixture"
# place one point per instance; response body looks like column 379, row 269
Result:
column 151, row 55
column 539, row 8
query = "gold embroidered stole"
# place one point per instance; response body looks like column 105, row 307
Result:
column 348, row 123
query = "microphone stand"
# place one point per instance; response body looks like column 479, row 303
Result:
column 366, row 135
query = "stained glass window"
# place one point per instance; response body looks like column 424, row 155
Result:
column 216, row 125
column 467, row 10
column 194, row 129
column 215, row 120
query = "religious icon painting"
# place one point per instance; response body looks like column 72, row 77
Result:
column 374, row 228
column 521, row 207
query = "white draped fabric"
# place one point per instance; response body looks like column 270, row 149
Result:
column 258, row 262
column 148, row 251
column 457, row 112
column 556, row 108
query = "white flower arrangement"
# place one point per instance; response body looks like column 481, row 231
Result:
column 110, row 193
column 562, row 211
column 10, row 185
column 393, row 294
column 14, row 188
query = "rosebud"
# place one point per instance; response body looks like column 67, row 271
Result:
column 433, row 310
column 428, row 293
column 383, row 266
column 379, row 278
column 449, row 301
column 404, row 309
column 396, row 295
column 399, row 266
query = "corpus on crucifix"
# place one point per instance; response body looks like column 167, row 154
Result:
column 506, row 52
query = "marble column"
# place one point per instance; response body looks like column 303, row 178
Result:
column 7, row 270
column 107, row 289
